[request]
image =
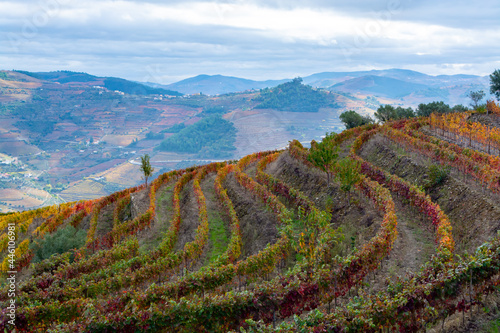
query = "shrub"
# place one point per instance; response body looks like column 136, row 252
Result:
column 61, row 241
column 437, row 175
column 481, row 109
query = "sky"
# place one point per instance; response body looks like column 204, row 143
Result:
column 166, row 41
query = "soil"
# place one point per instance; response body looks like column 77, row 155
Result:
column 85, row 223
column 139, row 202
column 485, row 119
column 251, row 169
column 37, row 221
column 151, row 237
column 189, row 217
column 413, row 247
column 105, row 220
column 125, row 214
column 257, row 224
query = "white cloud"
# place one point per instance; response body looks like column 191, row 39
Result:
column 247, row 38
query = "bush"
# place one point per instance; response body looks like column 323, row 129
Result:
column 437, row 175
column 481, row 109
column 61, row 241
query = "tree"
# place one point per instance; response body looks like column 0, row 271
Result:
column 353, row 119
column 495, row 83
column 425, row 110
column 146, row 168
column 324, row 154
column 347, row 172
column 387, row 113
column 402, row 113
column 476, row 97
column 459, row 108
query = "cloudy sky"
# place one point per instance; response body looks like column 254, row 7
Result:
column 166, row 41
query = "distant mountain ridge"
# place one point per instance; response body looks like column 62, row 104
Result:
column 408, row 86
column 379, row 85
column 219, row 84
column 111, row 83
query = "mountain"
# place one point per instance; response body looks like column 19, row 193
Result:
column 379, row 86
column 111, row 83
column 405, row 85
column 219, row 84
column 327, row 79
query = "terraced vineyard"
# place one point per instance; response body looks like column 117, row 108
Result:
column 271, row 244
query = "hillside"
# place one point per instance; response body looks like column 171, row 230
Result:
column 247, row 245
column 111, row 83
column 69, row 136
column 292, row 96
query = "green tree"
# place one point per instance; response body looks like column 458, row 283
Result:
column 387, row 113
column 353, row 119
column 347, row 173
column 495, row 83
column 324, row 154
column 425, row 110
column 402, row 113
column 476, row 97
column 460, row 108
column 146, row 168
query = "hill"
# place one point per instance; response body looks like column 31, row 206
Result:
column 211, row 137
column 292, row 96
column 219, row 84
column 405, row 237
column 111, row 83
